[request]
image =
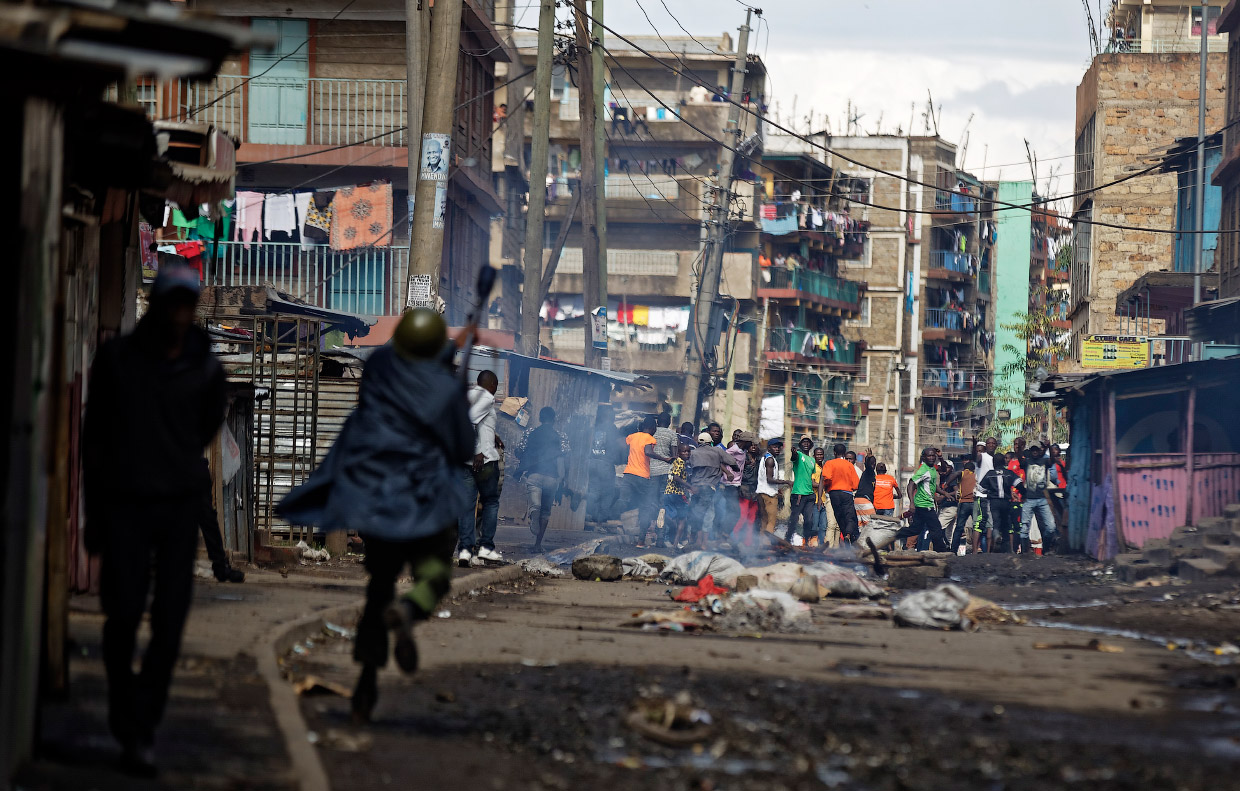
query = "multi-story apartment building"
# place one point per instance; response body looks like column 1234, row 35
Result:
column 663, row 138
column 925, row 325
column 1227, row 176
column 325, row 108
column 1135, row 100
column 811, row 224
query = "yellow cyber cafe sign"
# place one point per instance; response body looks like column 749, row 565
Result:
column 1114, row 351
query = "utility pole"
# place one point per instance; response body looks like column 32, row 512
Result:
column 704, row 330
column 417, row 35
column 531, row 295
column 1200, row 199
column 589, row 181
column 600, row 166
column 438, row 114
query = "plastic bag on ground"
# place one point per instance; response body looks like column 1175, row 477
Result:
column 690, row 567
column 764, row 611
column 941, row 608
column 842, row 582
column 777, row 576
column 305, row 552
column 638, row 569
column 565, row 556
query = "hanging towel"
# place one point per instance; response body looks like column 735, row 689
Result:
column 362, row 217
column 302, row 201
column 249, row 217
column 280, row 214
column 641, row 315
column 182, row 225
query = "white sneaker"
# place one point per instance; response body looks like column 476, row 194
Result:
column 490, row 555
column 463, row 558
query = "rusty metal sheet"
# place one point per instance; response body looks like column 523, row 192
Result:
column 1216, row 478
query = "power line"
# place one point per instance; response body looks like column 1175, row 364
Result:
column 908, row 179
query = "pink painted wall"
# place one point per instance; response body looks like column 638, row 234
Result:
column 1153, row 497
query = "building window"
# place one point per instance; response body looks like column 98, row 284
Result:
column 1078, row 274
column 863, row 376
column 864, row 319
column 863, row 431
column 1085, row 156
column 866, row 260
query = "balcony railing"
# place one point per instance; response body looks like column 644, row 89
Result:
column 290, row 111
column 810, row 282
column 945, row 319
column 806, row 342
column 949, row 200
column 956, row 381
column 1187, row 44
column 955, row 262
column 354, row 281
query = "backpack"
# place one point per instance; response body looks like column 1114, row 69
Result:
column 1035, row 478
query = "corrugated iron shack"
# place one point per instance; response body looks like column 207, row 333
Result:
column 1151, row 450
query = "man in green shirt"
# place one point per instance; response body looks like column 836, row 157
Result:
column 802, row 501
column 921, row 490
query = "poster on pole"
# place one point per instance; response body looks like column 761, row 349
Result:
column 1114, row 352
column 441, row 206
column 419, row 292
column 598, row 328
column 436, row 150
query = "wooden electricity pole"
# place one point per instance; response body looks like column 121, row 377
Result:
column 417, row 35
column 438, row 113
column 531, row 295
column 589, row 180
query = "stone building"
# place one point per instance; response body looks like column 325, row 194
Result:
column 1135, row 100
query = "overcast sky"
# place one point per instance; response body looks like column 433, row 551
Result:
column 1012, row 64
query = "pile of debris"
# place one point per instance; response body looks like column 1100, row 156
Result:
column 1211, row 548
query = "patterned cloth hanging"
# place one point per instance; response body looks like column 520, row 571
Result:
column 362, row 217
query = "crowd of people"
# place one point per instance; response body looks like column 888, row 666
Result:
column 688, row 488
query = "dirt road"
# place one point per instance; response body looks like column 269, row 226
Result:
column 528, row 686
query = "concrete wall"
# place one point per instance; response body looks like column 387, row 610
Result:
column 1011, row 270
column 1140, row 104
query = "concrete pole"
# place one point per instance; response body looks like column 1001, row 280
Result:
column 531, row 297
column 884, row 446
column 704, row 336
column 417, row 35
column 438, row 120
column 899, row 416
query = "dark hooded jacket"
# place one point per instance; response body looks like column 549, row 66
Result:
column 148, row 420
column 394, row 471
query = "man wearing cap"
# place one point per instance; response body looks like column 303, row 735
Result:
column 157, row 398
column 393, row 475
column 706, row 468
column 769, row 484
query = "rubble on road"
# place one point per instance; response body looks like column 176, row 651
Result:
column 764, row 611
column 541, row 567
column 949, row 607
column 600, row 568
column 1211, row 548
column 673, row 722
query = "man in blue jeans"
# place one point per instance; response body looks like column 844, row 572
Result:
column 482, row 477
column 1037, row 480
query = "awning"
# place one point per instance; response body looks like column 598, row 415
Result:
column 619, row 377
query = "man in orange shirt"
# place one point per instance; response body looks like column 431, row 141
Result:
column 841, row 479
column 637, row 489
column 886, row 490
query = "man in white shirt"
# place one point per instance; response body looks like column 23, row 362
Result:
column 984, row 457
column 476, row 529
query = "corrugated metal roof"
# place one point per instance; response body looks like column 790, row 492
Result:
column 614, row 376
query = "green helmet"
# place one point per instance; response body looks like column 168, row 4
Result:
column 421, row 334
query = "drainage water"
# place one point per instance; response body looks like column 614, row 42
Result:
column 1200, row 651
